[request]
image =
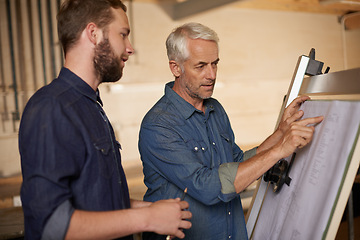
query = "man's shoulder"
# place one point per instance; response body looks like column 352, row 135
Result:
column 52, row 97
column 56, row 91
column 52, row 89
column 163, row 111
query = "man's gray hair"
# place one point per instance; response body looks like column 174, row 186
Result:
column 176, row 43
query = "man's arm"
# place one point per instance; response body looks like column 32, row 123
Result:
column 139, row 203
column 163, row 217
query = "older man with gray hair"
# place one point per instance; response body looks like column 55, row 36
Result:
column 186, row 141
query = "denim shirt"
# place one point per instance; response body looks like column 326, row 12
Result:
column 182, row 147
column 69, row 157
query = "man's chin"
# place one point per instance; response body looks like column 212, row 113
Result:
column 112, row 79
column 206, row 96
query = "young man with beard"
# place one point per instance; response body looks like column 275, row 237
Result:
column 73, row 183
column 186, row 141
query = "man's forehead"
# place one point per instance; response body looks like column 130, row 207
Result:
column 120, row 18
column 205, row 56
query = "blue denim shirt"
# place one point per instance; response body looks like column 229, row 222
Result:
column 69, row 157
column 182, row 147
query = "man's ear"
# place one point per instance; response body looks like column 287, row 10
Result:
column 93, row 33
column 175, row 68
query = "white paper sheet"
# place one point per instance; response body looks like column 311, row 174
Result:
column 302, row 210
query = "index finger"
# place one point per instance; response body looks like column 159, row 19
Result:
column 311, row 120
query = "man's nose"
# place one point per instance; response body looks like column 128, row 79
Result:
column 211, row 72
column 129, row 49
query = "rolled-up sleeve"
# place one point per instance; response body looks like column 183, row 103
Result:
column 250, row 153
column 58, row 223
column 227, row 173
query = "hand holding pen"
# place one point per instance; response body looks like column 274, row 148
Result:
column 182, row 199
column 168, row 216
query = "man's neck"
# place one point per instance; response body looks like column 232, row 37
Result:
column 85, row 71
column 196, row 102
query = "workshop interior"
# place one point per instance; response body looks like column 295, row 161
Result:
column 261, row 45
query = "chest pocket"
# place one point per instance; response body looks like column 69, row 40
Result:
column 201, row 152
column 106, row 157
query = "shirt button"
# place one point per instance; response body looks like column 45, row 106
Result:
column 196, row 148
column 213, row 143
column 229, row 213
column 229, row 237
column 203, row 148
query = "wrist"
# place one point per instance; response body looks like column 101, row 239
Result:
column 147, row 219
column 139, row 203
column 278, row 133
column 273, row 154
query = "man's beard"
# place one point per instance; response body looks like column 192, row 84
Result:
column 106, row 63
column 194, row 91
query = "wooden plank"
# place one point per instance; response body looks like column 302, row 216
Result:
column 11, row 223
column 351, row 21
column 9, row 188
column 312, row 6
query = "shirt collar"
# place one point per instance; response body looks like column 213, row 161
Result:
column 185, row 108
column 79, row 84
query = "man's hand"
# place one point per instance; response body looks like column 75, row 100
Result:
column 292, row 113
column 169, row 217
column 298, row 134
